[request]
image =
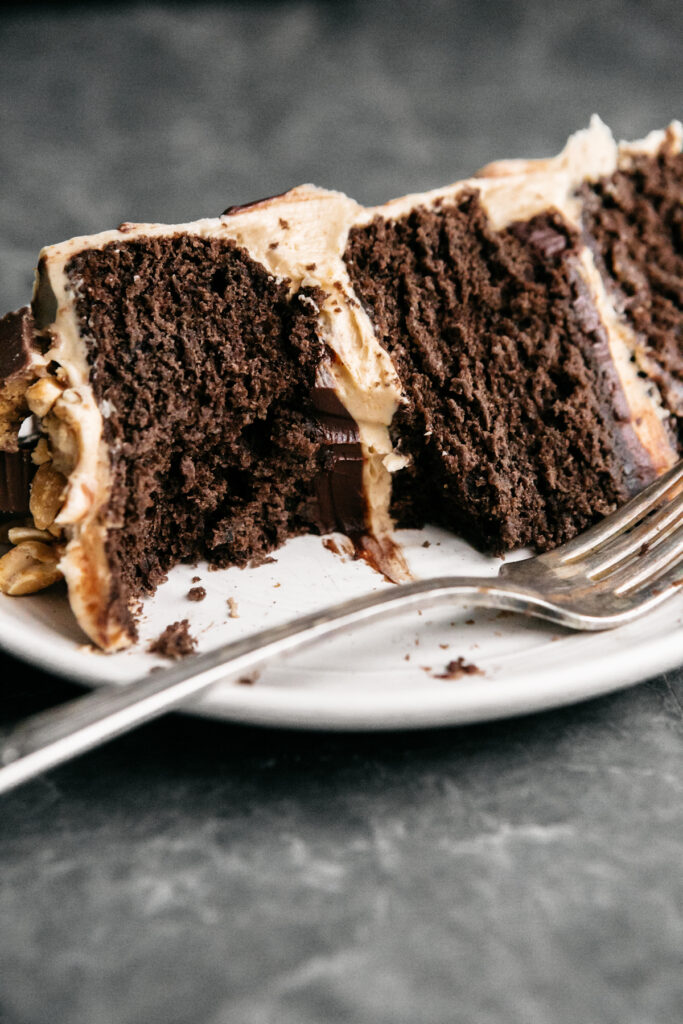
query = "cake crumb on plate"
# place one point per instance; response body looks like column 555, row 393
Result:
column 175, row 641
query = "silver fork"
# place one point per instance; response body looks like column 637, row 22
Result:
column 613, row 573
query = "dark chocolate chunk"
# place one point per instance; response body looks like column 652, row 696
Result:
column 16, row 342
column 44, row 303
column 16, row 473
column 240, row 208
column 339, row 484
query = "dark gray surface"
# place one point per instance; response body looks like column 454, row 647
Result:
column 528, row 871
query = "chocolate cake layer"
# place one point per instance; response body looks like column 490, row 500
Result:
column 634, row 219
column 203, row 368
column 513, row 420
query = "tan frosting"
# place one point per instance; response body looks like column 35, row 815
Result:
column 669, row 138
column 74, row 428
column 513, row 190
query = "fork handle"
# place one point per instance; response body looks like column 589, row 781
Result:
column 59, row 734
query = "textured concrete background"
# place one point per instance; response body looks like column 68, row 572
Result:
column 522, row 872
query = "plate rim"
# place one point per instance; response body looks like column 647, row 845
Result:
column 453, row 702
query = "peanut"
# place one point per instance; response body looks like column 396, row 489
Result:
column 19, row 534
column 13, row 524
column 42, row 395
column 63, row 440
column 28, row 568
column 47, row 495
column 41, row 452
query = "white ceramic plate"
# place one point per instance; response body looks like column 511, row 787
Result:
column 383, row 676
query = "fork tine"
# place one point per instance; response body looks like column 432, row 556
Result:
column 651, row 531
column 649, row 567
column 618, row 522
column 659, row 588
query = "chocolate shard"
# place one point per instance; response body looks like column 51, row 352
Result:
column 241, row 207
column 16, row 342
column 339, row 484
column 16, row 471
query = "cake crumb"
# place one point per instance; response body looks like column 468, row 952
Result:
column 247, row 680
column 234, row 608
column 469, row 622
column 406, row 657
column 426, row 544
column 176, row 641
column 459, row 667
column 444, row 647
column 311, row 266
column 196, row 579
column 284, row 224
column 196, row 594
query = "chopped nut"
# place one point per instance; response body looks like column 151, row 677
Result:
column 12, row 525
column 47, row 495
column 19, row 534
column 41, row 453
column 28, row 568
column 63, row 440
column 42, row 395
column 71, row 397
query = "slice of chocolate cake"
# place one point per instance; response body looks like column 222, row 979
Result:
column 204, row 391
column 527, row 411
column 501, row 357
